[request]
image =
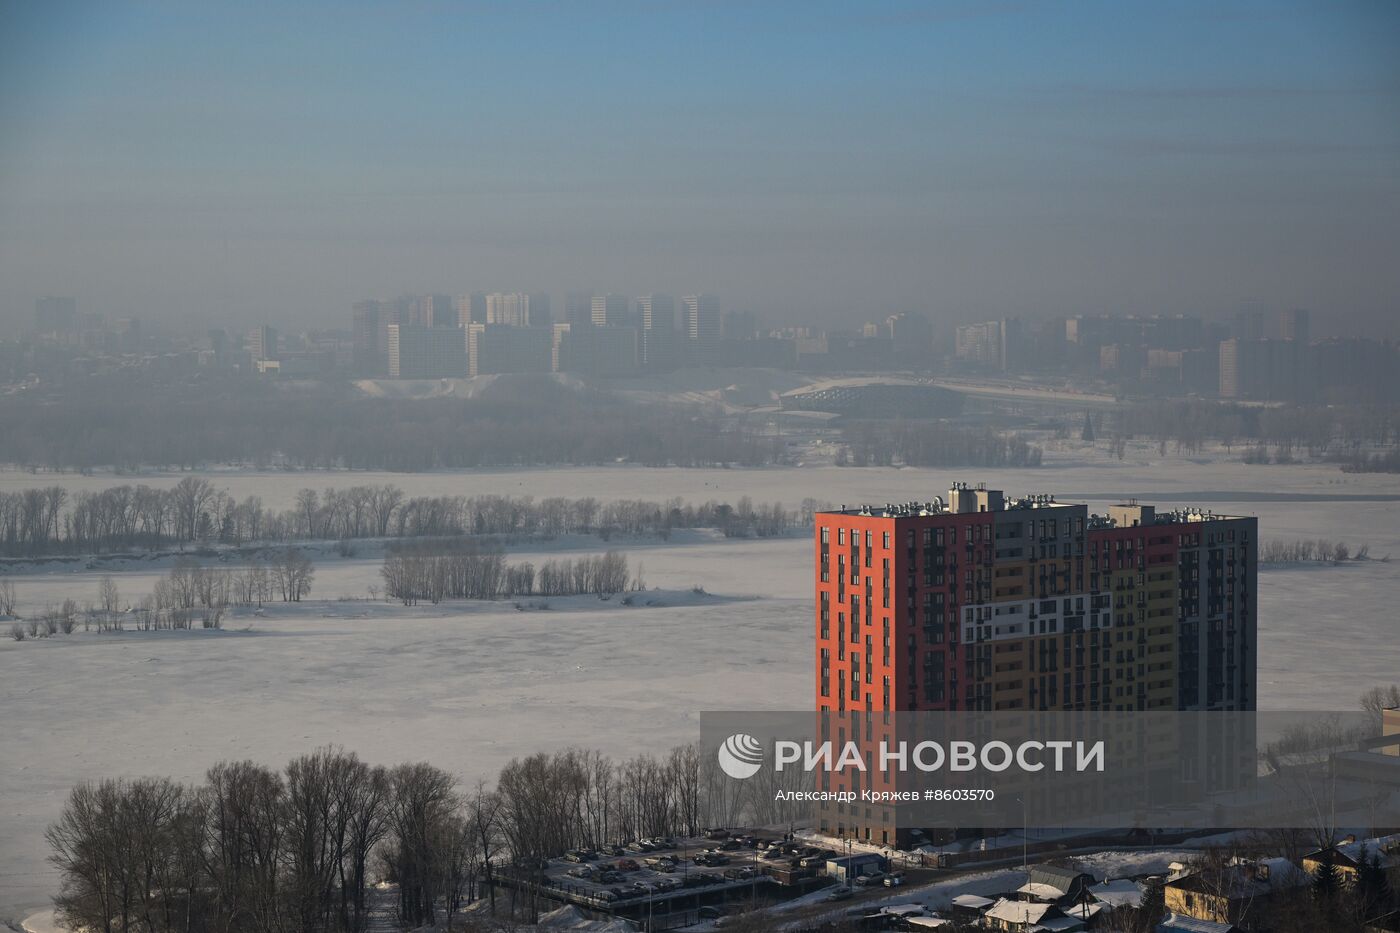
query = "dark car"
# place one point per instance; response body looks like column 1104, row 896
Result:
column 716, row 833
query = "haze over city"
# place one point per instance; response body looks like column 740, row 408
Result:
column 629, row 467
column 816, row 163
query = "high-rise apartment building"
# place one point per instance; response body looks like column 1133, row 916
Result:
column 509, row 308
column 702, row 327
column 984, row 603
column 262, row 343
column 659, row 348
column 419, row 352
column 610, row 311
column 500, row 348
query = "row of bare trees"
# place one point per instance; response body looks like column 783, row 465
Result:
column 1304, row 550
column 932, row 444
column 188, row 592
column 463, row 569
column 194, row 512
column 255, row 850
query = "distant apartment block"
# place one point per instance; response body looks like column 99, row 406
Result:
column 420, row 352
column 660, row 348
column 702, row 328
column 610, row 311
column 509, row 308
column 595, row 351
column 991, row 344
column 262, row 343
column 501, row 348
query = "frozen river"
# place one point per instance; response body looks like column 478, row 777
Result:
column 469, row 687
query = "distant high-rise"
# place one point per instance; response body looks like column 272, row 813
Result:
column 541, row 311
column 55, row 315
column 434, row 311
column 510, row 308
column 984, row 344
column 659, row 348
column 610, row 311
column 419, row 352
column 1294, row 325
column 702, row 326
column 370, row 354
column 578, row 308
column 262, row 343
column 471, row 309
column 499, row 348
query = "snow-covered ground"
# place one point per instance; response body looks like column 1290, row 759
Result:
column 468, row 686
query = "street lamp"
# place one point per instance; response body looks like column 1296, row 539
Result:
column 1025, row 838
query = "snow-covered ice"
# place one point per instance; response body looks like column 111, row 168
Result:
column 468, row 686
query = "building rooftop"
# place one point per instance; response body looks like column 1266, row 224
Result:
column 963, row 498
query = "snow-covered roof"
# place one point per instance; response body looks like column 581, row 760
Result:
column 1061, row 925
column 1041, row 890
column 903, row 910
column 1121, row 893
column 972, row 901
column 927, row 923
column 1019, row 911
column 1178, row 924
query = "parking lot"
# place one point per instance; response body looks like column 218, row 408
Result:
column 689, row 875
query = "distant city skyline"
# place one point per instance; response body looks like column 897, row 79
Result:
column 816, row 163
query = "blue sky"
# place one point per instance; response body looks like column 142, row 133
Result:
column 823, row 161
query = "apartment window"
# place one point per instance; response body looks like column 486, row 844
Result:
column 826, row 535
column 840, row 536
column 887, row 540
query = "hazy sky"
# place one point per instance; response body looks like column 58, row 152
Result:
column 806, row 160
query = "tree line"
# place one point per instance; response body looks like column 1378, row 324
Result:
column 932, row 444
column 1336, row 432
column 463, row 569
column 334, row 427
column 189, row 592
column 1307, row 550
column 50, row 520
column 251, row 849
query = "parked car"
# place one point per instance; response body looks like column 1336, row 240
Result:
column 894, row 879
column 610, row 877
column 729, row 845
column 716, row 833
column 709, row 913
column 641, row 845
column 628, row 864
column 839, row 893
column 614, row 851
column 871, row 880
